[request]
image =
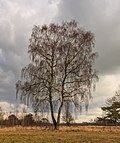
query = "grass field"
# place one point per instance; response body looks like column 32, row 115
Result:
column 68, row 135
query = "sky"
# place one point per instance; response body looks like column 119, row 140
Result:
column 17, row 18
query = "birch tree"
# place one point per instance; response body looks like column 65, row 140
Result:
column 62, row 68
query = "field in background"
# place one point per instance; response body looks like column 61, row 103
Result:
column 64, row 135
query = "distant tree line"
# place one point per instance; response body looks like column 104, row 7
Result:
column 27, row 120
column 31, row 119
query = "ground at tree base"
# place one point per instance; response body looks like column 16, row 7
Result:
column 63, row 135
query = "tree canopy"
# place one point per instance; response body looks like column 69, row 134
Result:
column 111, row 110
column 61, row 69
column 112, row 113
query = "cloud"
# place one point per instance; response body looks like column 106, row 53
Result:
column 102, row 18
column 6, row 107
column 16, row 23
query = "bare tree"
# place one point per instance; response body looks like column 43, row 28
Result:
column 28, row 119
column 1, row 116
column 1, row 113
column 61, row 68
column 67, row 116
column 115, row 98
column 24, row 113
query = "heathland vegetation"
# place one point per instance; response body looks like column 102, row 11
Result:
column 82, row 135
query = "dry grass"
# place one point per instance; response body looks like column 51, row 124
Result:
column 93, row 128
column 64, row 135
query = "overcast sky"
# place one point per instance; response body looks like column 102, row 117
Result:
column 17, row 18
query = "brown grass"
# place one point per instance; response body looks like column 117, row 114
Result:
column 66, row 128
column 78, row 134
column 92, row 128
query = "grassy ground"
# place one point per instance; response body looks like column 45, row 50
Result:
column 61, row 136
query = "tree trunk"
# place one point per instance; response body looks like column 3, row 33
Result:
column 52, row 112
column 59, row 114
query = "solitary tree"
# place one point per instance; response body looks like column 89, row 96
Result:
column 61, row 68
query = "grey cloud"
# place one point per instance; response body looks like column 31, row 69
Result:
column 102, row 18
column 16, row 23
